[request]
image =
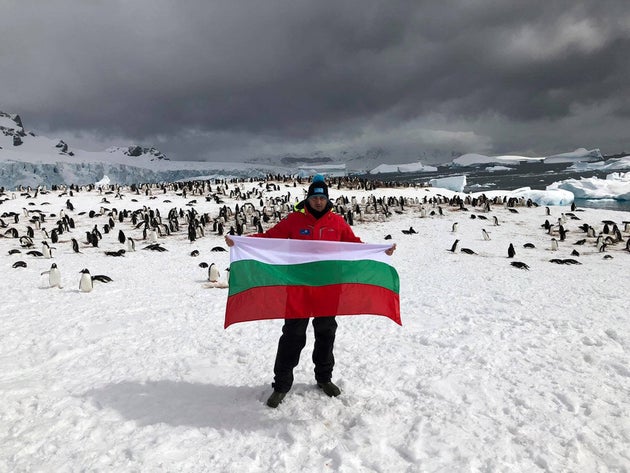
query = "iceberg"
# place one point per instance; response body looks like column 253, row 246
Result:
column 580, row 154
column 615, row 164
column 474, row 159
column 544, row 197
column 411, row 167
column 452, row 183
column 616, row 186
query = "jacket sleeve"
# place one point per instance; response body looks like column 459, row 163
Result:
column 346, row 232
column 282, row 229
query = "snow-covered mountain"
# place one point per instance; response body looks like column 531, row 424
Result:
column 27, row 159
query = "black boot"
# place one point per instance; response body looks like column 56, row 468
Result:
column 275, row 399
column 330, row 389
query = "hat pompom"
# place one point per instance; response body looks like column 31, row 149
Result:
column 318, row 178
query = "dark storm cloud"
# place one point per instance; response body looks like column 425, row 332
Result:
column 199, row 76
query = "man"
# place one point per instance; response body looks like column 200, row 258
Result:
column 314, row 221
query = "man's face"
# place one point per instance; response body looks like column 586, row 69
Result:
column 318, row 202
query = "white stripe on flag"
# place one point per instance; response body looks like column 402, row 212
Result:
column 285, row 251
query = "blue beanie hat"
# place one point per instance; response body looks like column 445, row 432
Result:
column 318, row 187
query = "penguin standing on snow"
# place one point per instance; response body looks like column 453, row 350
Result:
column 46, row 250
column 454, row 247
column 511, row 251
column 131, row 244
column 213, row 273
column 54, row 276
column 85, row 283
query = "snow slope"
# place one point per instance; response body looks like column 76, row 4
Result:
column 494, row 369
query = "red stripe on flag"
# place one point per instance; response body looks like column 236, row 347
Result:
column 297, row 302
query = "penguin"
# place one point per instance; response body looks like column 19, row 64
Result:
column 600, row 243
column 131, row 244
column 485, row 234
column 562, row 232
column 519, row 265
column 554, row 244
column 454, row 227
column 46, row 250
column 213, row 273
column 496, row 220
column 511, row 251
column 54, row 276
column 75, row 246
column 85, row 283
column 454, row 247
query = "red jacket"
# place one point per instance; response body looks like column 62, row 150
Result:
column 303, row 226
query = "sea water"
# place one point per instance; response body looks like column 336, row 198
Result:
column 535, row 175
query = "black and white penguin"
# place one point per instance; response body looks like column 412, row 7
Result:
column 485, row 234
column 131, row 244
column 75, row 245
column 454, row 247
column 562, row 232
column 511, row 251
column 46, row 250
column 454, row 227
column 85, row 283
column 213, row 273
column 554, row 244
column 520, row 265
column 54, row 276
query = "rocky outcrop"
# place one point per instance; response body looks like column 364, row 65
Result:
column 136, row 151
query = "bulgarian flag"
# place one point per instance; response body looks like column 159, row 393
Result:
column 272, row 278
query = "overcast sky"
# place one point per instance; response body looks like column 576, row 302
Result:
column 235, row 79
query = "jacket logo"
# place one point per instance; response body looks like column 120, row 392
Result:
column 305, row 231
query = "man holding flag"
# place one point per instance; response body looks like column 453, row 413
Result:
column 312, row 220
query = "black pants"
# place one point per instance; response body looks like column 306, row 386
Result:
column 290, row 346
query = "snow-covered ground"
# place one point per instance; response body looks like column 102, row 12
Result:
column 495, row 368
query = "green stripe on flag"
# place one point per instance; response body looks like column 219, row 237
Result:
column 247, row 274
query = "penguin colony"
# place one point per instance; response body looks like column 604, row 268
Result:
column 120, row 225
